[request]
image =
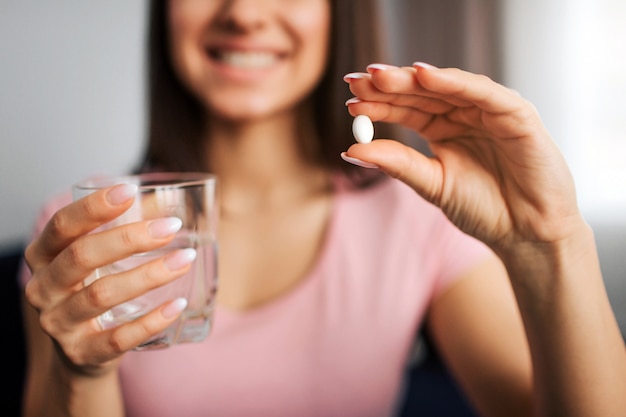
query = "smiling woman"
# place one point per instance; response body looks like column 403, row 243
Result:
column 238, row 77
column 295, row 69
column 327, row 270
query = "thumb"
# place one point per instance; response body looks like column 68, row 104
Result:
column 415, row 169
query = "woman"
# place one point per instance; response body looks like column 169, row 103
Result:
column 327, row 269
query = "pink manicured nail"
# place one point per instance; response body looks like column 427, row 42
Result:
column 381, row 67
column 174, row 308
column 161, row 228
column 121, row 193
column 355, row 76
column 180, row 258
column 353, row 100
column 358, row 162
column 424, row 65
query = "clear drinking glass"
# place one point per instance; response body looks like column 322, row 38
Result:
column 193, row 198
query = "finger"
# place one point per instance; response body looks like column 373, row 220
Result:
column 477, row 89
column 76, row 219
column 479, row 102
column 385, row 112
column 421, row 173
column 96, row 250
column 429, row 126
column 131, row 335
column 505, row 114
column 105, row 293
column 405, row 92
column 107, row 345
column 403, row 81
column 464, row 122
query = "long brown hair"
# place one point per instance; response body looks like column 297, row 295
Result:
column 176, row 118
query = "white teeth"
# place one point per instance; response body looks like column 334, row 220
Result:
column 252, row 60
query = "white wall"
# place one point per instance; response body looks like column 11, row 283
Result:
column 71, row 99
column 569, row 58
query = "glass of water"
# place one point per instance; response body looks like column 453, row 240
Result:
column 193, row 198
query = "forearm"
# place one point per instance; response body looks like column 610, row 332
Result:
column 60, row 394
column 52, row 389
column 578, row 354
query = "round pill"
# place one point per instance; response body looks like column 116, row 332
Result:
column 363, row 129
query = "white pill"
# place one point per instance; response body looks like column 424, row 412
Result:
column 363, row 129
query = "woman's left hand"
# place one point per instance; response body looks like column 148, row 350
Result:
column 496, row 173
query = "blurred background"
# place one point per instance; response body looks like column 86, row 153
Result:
column 72, row 96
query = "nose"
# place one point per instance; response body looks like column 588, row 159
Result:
column 244, row 15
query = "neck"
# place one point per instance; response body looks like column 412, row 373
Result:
column 262, row 163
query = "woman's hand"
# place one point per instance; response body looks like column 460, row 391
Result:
column 496, row 173
column 65, row 253
column 498, row 176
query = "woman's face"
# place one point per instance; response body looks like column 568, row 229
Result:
column 249, row 59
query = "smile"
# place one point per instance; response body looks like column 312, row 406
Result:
column 245, row 59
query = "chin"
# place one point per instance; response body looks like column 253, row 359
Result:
column 239, row 114
column 250, row 110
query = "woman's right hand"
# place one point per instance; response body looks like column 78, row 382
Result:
column 65, row 253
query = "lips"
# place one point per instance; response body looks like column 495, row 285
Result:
column 244, row 59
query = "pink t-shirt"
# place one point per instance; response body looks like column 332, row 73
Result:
column 335, row 345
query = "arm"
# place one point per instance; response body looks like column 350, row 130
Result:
column 72, row 367
column 52, row 390
column 477, row 329
column 498, row 176
column 578, row 352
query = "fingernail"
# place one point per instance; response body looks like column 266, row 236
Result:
column 358, row 162
column 164, row 227
column 424, row 65
column 355, row 76
column 121, row 193
column 174, row 308
column 381, row 67
column 180, row 258
column 353, row 100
